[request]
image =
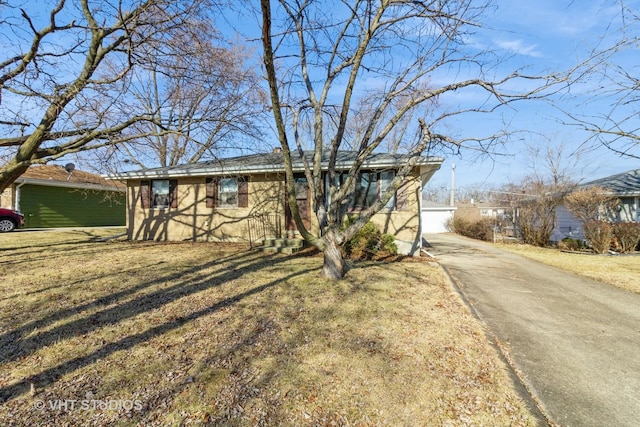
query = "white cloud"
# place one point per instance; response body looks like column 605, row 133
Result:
column 520, row 48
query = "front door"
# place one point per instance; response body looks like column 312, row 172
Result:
column 302, row 200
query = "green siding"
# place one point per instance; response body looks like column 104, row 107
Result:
column 45, row 206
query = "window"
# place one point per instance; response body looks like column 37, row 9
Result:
column 159, row 194
column 366, row 192
column 370, row 186
column 227, row 193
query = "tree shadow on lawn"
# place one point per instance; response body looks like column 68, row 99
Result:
column 12, row 343
column 13, row 336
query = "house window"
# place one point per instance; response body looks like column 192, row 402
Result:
column 227, row 193
column 159, row 194
column 366, row 192
column 370, row 186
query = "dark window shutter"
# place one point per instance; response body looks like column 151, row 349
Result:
column 243, row 192
column 145, row 194
column 212, row 192
column 173, row 193
column 403, row 195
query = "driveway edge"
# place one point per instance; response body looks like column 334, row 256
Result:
column 523, row 387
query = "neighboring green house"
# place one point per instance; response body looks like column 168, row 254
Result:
column 52, row 196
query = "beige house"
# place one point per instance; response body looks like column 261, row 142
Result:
column 242, row 199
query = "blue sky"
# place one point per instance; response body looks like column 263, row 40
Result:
column 543, row 34
column 539, row 36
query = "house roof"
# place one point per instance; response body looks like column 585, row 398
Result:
column 271, row 162
column 435, row 206
column 622, row 184
column 58, row 176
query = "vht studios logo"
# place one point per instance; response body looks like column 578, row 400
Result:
column 87, row 405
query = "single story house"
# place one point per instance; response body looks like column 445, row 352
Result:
column 474, row 211
column 52, row 196
column 625, row 186
column 242, row 199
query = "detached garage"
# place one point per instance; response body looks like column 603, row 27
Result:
column 436, row 217
column 55, row 196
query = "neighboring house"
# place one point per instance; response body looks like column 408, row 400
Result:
column 625, row 186
column 242, row 199
column 475, row 211
column 51, row 196
column 436, row 217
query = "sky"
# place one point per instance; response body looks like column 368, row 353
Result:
column 539, row 34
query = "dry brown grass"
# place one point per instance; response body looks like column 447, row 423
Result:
column 622, row 271
column 205, row 334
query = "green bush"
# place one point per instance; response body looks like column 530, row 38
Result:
column 479, row 230
column 370, row 243
column 599, row 235
column 626, row 236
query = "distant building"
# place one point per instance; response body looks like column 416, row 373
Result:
column 624, row 186
column 51, row 196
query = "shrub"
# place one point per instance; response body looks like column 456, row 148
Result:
column 480, row 230
column 370, row 243
column 626, row 235
column 599, row 235
column 569, row 244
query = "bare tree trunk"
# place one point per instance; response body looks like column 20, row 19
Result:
column 333, row 267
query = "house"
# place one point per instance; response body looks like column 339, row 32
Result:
column 242, row 199
column 55, row 196
column 475, row 211
column 625, row 186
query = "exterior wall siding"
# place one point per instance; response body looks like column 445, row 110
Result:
column 264, row 216
column 193, row 220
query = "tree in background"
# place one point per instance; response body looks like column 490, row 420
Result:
column 325, row 61
column 201, row 103
column 591, row 203
column 95, row 75
column 609, row 113
column 540, row 193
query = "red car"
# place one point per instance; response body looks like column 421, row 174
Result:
column 10, row 220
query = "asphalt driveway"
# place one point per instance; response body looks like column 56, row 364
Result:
column 576, row 341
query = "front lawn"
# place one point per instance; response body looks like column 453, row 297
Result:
column 622, row 271
column 120, row 333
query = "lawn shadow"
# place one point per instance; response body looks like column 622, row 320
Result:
column 14, row 343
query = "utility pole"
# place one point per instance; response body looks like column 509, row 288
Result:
column 453, row 180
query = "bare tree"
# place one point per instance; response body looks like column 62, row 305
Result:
column 592, row 203
column 542, row 192
column 65, row 75
column 610, row 77
column 324, row 59
column 202, row 103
